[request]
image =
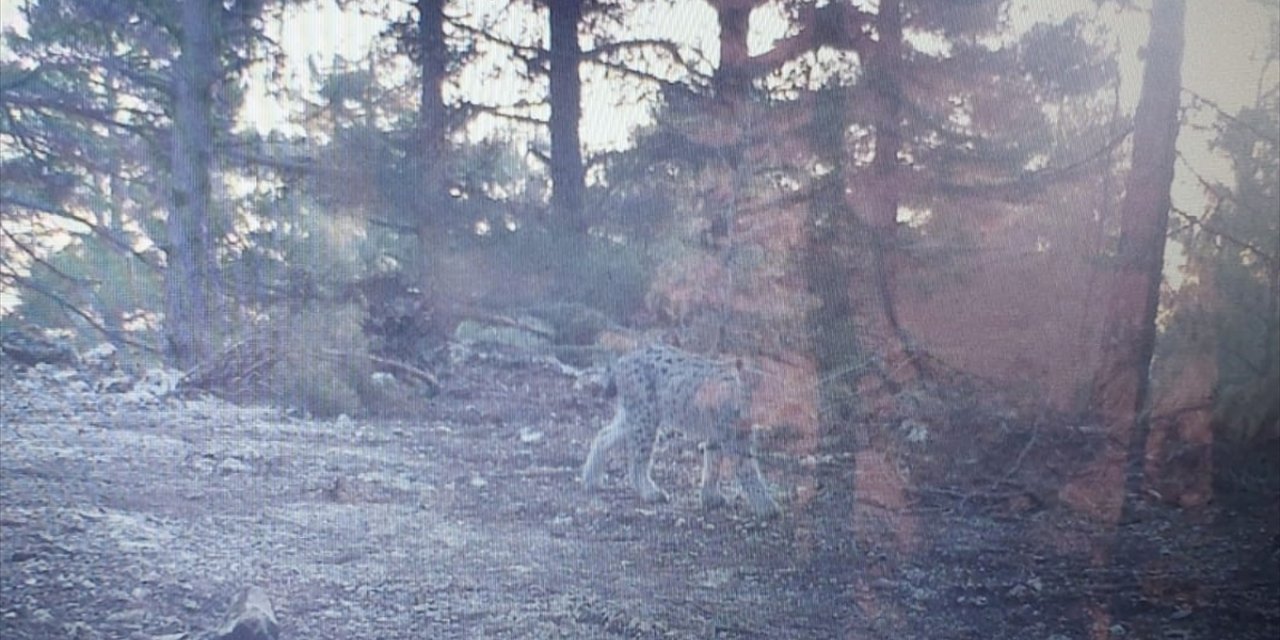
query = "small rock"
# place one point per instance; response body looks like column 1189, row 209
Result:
column 251, row 618
column 917, row 432
column 116, row 384
column 232, row 465
column 159, row 382
column 101, row 357
column 31, row 348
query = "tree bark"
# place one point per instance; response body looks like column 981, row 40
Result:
column 432, row 145
column 567, row 172
column 188, row 277
column 873, row 197
column 732, row 78
column 1129, row 333
column 738, row 68
column 432, row 115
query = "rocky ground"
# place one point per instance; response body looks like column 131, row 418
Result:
column 134, row 513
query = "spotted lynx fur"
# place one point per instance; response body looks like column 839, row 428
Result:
column 660, row 386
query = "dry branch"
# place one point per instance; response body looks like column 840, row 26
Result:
column 420, row 375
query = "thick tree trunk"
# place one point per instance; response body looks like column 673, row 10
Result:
column 874, row 198
column 1129, row 333
column 567, row 172
column 432, row 116
column 189, row 273
column 832, row 331
column 113, row 216
column 732, row 78
column 432, row 145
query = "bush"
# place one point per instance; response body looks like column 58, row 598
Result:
column 529, row 266
column 324, row 360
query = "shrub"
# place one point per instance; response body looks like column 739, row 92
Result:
column 324, row 360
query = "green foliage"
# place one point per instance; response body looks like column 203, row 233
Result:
column 1243, row 245
column 572, row 324
column 1063, row 62
column 704, row 223
column 117, row 291
column 324, row 360
column 605, row 274
column 85, row 125
column 1248, row 412
column 1236, row 254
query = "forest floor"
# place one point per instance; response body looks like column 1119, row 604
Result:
column 129, row 515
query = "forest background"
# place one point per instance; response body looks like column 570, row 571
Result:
column 884, row 206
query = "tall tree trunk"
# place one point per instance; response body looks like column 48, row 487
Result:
column 832, row 231
column 432, row 61
column 115, row 213
column 432, row 143
column 873, row 197
column 1129, row 332
column 732, row 79
column 738, row 68
column 188, row 277
column 567, row 172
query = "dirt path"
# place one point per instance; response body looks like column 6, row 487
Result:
column 124, row 516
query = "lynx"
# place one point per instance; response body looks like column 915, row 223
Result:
column 660, row 386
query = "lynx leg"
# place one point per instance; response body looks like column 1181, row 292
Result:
column 711, row 458
column 608, row 438
column 753, row 486
column 641, row 442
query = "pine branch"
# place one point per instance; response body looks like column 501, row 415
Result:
column 114, row 336
column 837, row 24
column 156, row 81
column 49, row 107
column 528, row 53
column 23, row 78
column 300, row 164
column 1196, row 221
column 36, row 258
column 1038, row 179
column 394, row 226
column 597, row 54
column 501, row 113
column 97, row 229
column 1222, row 193
column 1269, row 136
column 703, row 79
